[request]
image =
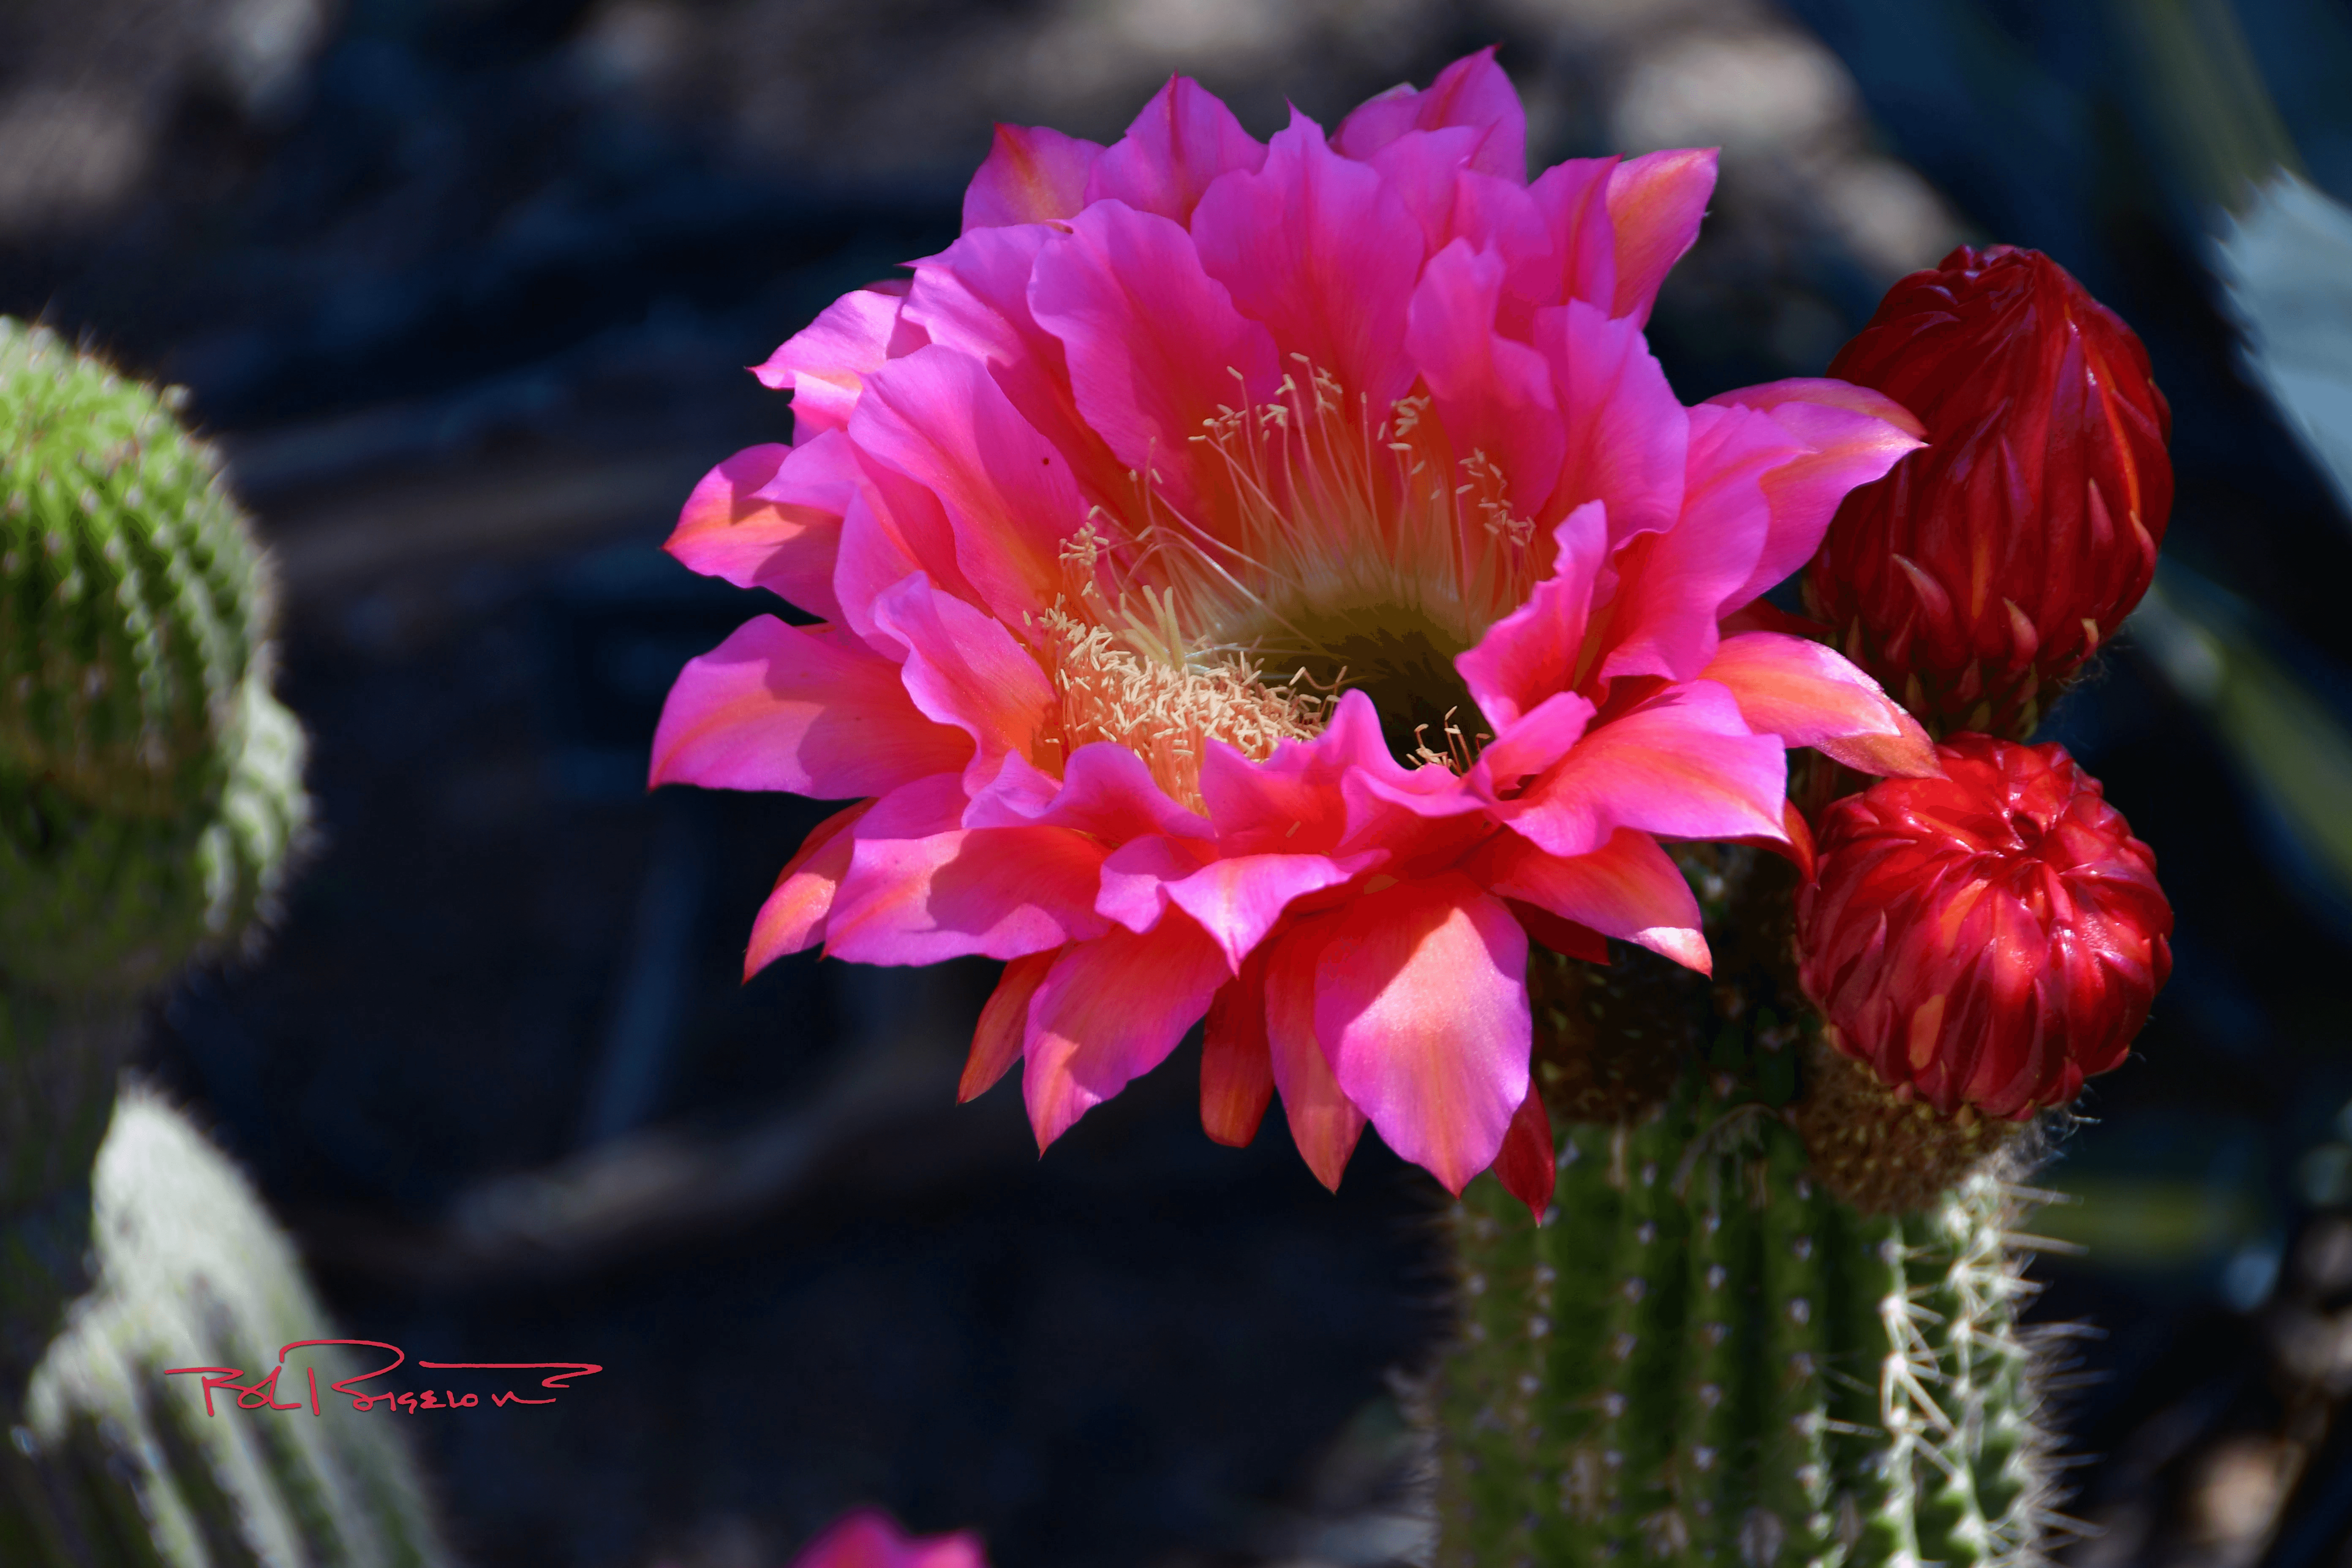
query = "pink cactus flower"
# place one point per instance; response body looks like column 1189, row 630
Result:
column 870, row 1539
column 1269, row 581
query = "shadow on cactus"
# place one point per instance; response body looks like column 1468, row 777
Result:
column 150, row 809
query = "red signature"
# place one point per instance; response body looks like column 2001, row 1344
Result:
column 261, row 1394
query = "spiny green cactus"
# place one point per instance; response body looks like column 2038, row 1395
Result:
column 1703, row 1355
column 150, row 784
column 151, row 801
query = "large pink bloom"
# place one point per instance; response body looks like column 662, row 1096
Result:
column 1184, row 437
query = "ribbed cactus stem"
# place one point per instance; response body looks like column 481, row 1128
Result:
column 1776, row 1379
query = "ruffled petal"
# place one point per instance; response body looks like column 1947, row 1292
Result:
column 1291, row 803
column 1109, row 1011
column 1236, row 1074
column 1032, row 173
column 1628, row 889
column 1525, row 1166
column 1847, row 436
column 1154, row 345
column 1320, row 249
column 1183, row 141
column 1493, row 396
column 1137, row 877
column 1628, row 434
column 1573, row 198
column 1809, row 696
column 919, row 891
column 793, row 916
column 1655, row 202
column 1472, row 92
column 1237, row 900
column 965, row 669
column 1673, row 587
column 1003, row 1025
column 1534, row 650
column 939, row 418
column 1105, row 791
column 1684, row 764
column 1324, row 1123
column 802, row 708
column 730, row 529
column 1421, row 1005
column 1528, row 746
column 824, row 365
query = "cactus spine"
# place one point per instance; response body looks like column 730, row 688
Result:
column 1703, row 1355
column 151, row 801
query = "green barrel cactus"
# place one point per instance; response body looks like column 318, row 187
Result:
column 1704, row 1354
column 151, row 806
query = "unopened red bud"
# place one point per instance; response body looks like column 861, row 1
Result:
column 1984, row 568
column 1988, row 938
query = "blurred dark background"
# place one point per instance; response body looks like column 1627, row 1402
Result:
column 462, row 286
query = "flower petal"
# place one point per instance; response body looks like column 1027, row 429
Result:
column 1628, row 434
column 1683, row 765
column 824, row 365
column 1809, row 696
column 1324, row 1123
column 730, row 529
column 1525, row 1166
column 1238, row 899
column 793, row 916
column 919, row 893
column 803, row 709
column 1183, row 141
column 939, row 417
column 1534, row 651
column 1850, row 436
column 1422, row 1003
column 1318, row 248
column 1493, row 396
column 1030, row 173
column 965, row 668
column 1655, row 202
column 1003, row 1023
column 1105, row 791
column 1572, row 196
column 1472, row 92
column 1628, row 889
column 1109, row 1011
column 1236, row 1074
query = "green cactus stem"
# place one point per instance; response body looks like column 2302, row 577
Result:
column 151, row 805
column 1703, row 1355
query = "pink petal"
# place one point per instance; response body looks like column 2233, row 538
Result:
column 973, row 297
column 1137, row 877
column 868, row 1539
column 1320, row 249
column 825, row 362
column 1421, row 1005
column 1561, row 936
column 1427, row 170
column 1324, row 1123
column 917, row 893
column 939, row 418
column 1655, row 202
column 1030, row 173
column 1526, row 1165
column 1528, row 746
column 1238, row 900
column 1003, row 1023
column 803, row 709
column 1106, row 791
column 729, row 529
column 1534, row 650
column 1572, row 197
column 1153, row 342
column 793, row 916
column 1628, row 434
column 1236, row 1074
column 1671, row 587
column 1472, row 92
column 1291, row 803
column 1109, row 1011
column 1493, row 396
column 1848, row 436
column 965, row 668
column 1684, row 764
column 1183, row 141
column 1809, row 696
column 1628, row 889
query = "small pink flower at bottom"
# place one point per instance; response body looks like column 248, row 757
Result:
column 1986, row 940
column 1265, row 582
column 870, row 1539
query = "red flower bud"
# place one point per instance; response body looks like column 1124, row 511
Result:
column 1988, row 564
column 1988, row 938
